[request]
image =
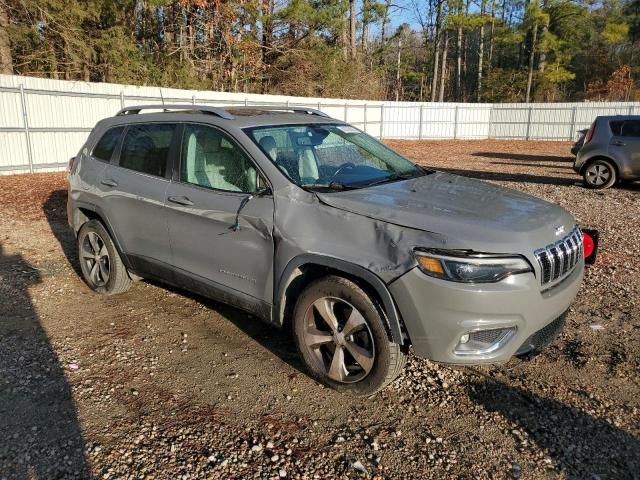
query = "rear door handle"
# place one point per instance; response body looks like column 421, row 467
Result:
column 109, row 182
column 181, row 200
column 619, row 143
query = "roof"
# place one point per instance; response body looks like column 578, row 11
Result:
column 619, row 117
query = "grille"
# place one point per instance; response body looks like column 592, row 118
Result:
column 543, row 337
column 486, row 336
column 558, row 259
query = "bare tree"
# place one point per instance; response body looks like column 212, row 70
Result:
column 6, row 62
column 398, row 78
column 352, row 29
column 443, row 72
column 436, row 50
column 481, row 50
column 366, row 15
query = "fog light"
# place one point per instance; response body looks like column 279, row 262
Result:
column 482, row 342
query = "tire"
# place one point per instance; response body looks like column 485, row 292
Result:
column 103, row 271
column 600, row 174
column 335, row 321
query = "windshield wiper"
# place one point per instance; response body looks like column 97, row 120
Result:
column 330, row 186
column 395, row 177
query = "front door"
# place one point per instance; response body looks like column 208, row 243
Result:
column 220, row 225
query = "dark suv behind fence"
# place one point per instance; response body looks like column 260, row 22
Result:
column 309, row 223
column 611, row 152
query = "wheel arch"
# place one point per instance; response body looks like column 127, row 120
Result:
column 601, row 157
column 302, row 270
column 83, row 213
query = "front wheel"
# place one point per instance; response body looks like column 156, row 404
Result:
column 599, row 174
column 341, row 335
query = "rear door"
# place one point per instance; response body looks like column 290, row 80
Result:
column 134, row 190
column 625, row 146
column 220, row 226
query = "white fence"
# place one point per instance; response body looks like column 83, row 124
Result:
column 44, row 122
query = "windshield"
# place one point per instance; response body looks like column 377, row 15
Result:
column 331, row 157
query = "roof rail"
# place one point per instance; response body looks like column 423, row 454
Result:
column 275, row 108
column 199, row 108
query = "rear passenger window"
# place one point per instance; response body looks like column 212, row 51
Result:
column 630, row 128
column 107, row 144
column 145, row 148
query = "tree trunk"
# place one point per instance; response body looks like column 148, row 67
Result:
column 352, row 29
column 385, row 21
column 480, row 52
column 365, row 26
column 6, row 61
column 398, row 70
column 493, row 30
column 465, row 51
column 459, row 65
column 344, row 34
column 443, row 70
column 542, row 57
column 436, row 51
column 267, row 40
column 532, row 54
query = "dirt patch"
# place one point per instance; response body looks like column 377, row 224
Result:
column 158, row 383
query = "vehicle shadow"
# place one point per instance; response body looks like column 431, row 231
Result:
column 509, row 177
column 533, row 165
column 581, row 445
column 524, row 157
column 40, row 435
column 278, row 341
column 55, row 210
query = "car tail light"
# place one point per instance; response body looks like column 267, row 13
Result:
column 590, row 133
column 588, row 244
column 71, row 164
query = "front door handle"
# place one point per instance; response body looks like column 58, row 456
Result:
column 181, row 200
column 109, row 182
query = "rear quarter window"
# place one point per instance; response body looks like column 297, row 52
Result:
column 616, row 126
column 107, row 144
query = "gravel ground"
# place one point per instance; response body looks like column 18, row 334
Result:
column 157, row 383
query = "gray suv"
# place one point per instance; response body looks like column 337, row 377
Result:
column 611, row 151
column 306, row 221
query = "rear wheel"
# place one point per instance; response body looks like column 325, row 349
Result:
column 101, row 265
column 341, row 335
column 600, row 174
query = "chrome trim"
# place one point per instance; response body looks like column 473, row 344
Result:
column 497, row 345
column 557, row 260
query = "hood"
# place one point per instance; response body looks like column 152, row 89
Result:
column 469, row 213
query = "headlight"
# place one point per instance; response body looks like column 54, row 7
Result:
column 460, row 266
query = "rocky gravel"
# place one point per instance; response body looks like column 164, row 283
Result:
column 157, row 383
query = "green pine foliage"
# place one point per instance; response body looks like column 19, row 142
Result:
column 545, row 50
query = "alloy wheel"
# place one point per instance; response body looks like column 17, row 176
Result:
column 339, row 339
column 598, row 174
column 95, row 258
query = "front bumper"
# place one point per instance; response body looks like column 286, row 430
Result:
column 437, row 313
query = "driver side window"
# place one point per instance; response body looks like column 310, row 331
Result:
column 211, row 159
